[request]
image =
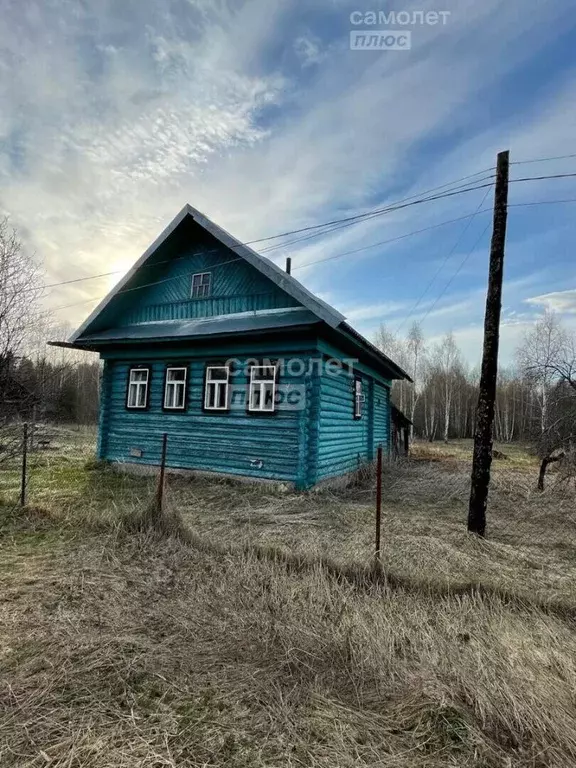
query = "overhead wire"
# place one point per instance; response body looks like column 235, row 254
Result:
column 445, row 261
column 455, row 275
column 327, row 227
column 351, row 219
column 542, row 159
column 238, row 258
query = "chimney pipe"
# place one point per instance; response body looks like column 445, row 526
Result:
column 288, row 265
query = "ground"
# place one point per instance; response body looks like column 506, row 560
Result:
column 254, row 631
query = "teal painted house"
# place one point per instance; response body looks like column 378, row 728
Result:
column 247, row 372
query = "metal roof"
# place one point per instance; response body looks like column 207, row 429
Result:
column 312, row 310
column 278, row 276
column 242, row 322
column 372, row 349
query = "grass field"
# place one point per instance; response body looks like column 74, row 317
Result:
column 122, row 646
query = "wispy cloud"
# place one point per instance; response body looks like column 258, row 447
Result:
column 559, row 301
column 113, row 115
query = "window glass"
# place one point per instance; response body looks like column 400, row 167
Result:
column 262, row 388
column 216, row 390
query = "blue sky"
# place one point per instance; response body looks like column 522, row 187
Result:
column 114, row 114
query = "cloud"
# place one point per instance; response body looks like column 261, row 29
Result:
column 375, row 311
column 114, row 115
column 559, row 301
column 308, row 48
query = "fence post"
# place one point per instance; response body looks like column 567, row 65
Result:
column 160, row 488
column 378, row 500
column 24, row 465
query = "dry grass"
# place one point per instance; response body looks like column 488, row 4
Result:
column 202, row 646
column 135, row 650
column 530, row 550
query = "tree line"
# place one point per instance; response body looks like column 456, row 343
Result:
column 536, row 395
column 37, row 381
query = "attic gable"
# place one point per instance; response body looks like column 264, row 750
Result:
column 158, row 286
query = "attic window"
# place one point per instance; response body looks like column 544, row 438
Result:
column 201, row 285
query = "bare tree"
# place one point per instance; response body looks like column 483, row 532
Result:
column 547, row 358
column 415, row 348
column 540, row 357
column 449, row 361
column 20, row 289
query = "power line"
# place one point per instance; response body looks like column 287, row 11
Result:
column 542, row 202
column 448, row 256
column 386, row 242
column 368, row 217
column 351, row 219
column 347, row 221
column 372, row 212
column 299, row 266
column 391, row 209
column 455, row 275
column 542, row 178
column 82, row 279
column 543, row 159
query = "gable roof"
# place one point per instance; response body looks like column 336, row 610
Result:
column 314, row 309
column 266, row 267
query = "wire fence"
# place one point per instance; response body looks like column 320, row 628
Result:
column 420, row 533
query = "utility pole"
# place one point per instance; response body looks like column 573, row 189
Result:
column 487, row 390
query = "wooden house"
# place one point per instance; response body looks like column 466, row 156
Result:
column 246, row 371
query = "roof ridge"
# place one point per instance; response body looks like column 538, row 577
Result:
column 265, row 266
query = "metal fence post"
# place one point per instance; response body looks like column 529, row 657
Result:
column 24, row 465
column 378, row 500
column 160, row 488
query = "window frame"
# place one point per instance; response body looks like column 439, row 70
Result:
column 147, row 383
column 273, row 380
column 207, row 380
column 201, row 285
column 359, row 398
column 175, row 408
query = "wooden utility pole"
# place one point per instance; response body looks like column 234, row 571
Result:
column 487, row 390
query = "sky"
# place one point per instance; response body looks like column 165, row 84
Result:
column 115, row 114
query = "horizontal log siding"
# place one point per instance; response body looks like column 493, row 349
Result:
column 218, row 442
column 235, row 287
column 342, row 441
column 105, row 382
column 381, row 428
column 211, row 307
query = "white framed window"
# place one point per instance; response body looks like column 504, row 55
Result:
column 138, row 379
column 175, row 389
column 359, row 398
column 216, row 388
column 201, row 285
column 262, row 388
